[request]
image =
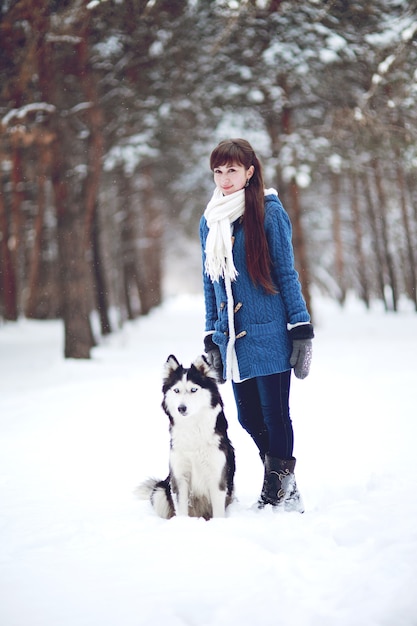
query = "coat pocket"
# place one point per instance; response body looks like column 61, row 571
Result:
column 267, row 341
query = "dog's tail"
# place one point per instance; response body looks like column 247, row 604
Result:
column 159, row 493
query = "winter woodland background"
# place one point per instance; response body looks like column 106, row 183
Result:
column 108, row 113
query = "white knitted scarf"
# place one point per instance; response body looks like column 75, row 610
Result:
column 220, row 213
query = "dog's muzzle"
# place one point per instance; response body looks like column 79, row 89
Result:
column 182, row 409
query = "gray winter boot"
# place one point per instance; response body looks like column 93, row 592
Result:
column 280, row 488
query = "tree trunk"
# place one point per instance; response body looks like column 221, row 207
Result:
column 150, row 249
column 410, row 276
column 74, row 278
column 375, row 240
column 15, row 235
column 7, row 274
column 129, row 279
column 129, row 264
column 99, row 280
column 384, row 232
column 94, row 117
column 295, row 212
column 359, row 253
column 73, row 272
column 337, row 238
column 36, row 253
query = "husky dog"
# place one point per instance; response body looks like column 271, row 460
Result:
column 202, row 458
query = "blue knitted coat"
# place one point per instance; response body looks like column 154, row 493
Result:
column 262, row 344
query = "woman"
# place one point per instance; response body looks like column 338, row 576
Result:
column 257, row 323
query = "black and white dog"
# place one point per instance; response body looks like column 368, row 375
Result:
column 202, row 458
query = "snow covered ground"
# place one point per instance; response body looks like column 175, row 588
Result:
column 77, row 548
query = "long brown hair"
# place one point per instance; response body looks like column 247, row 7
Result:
column 258, row 260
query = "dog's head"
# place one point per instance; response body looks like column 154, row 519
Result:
column 188, row 391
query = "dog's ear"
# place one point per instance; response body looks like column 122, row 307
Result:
column 170, row 366
column 203, row 366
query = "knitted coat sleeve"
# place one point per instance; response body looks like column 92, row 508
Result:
column 279, row 234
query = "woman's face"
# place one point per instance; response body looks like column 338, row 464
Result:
column 231, row 178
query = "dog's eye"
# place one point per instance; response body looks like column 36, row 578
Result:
column 194, row 389
column 176, row 390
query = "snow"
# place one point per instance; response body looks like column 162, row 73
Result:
column 78, row 549
column 23, row 111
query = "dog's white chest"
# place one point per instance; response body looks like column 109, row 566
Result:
column 195, row 453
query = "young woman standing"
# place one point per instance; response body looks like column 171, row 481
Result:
column 257, row 324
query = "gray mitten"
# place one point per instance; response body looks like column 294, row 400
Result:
column 302, row 349
column 214, row 357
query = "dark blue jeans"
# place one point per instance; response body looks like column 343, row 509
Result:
column 263, row 411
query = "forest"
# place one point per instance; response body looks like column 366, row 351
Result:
column 109, row 110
